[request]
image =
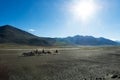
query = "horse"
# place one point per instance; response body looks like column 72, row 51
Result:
column 28, row 54
column 48, row 52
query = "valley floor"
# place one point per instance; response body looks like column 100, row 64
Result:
column 81, row 63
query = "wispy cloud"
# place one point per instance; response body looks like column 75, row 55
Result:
column 31, row 30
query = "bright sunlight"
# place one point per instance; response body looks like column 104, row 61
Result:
column 83, row 9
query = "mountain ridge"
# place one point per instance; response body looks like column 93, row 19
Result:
column 88, row 40
column 11, row 34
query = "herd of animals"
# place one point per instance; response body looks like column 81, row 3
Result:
column 38, row 52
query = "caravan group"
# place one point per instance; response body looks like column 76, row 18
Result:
column 39, row 52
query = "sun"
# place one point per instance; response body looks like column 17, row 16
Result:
column 83, row 9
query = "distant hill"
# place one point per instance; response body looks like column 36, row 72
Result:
column 10, row 34
column 117, row 41
column 87, row 40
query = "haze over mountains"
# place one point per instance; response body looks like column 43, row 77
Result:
column 10, row 34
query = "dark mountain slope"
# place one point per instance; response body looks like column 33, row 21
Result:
column 10, row 34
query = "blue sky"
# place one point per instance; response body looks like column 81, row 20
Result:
column 55, row 18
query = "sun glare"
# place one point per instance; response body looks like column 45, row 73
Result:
column 83, row 9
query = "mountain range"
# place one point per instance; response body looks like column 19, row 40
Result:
column 11, row 34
